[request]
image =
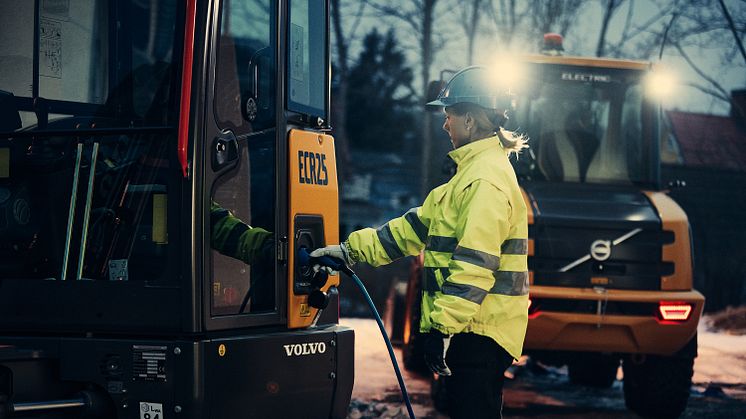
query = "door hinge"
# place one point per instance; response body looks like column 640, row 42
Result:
column 282, row 249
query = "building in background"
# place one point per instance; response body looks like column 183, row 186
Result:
column 707, row 155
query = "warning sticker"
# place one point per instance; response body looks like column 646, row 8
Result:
column 151, row 410
column 149, row 363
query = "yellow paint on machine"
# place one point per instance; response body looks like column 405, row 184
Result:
column 318, row 197
column 603, row 63
column 674, row 219
column 159, row 231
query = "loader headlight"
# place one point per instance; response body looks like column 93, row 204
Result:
column 660, row 84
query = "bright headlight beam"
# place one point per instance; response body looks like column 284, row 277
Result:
column 660, row 84
column 508, row 73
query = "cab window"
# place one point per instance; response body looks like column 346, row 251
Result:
column 307, row 58
column 245, row 68
column 86, row 125
column 242, row 198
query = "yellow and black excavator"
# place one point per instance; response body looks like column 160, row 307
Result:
column 610, row 257
column 162, row 163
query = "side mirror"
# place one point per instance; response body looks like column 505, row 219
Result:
column 433, row 90
column 10, row 119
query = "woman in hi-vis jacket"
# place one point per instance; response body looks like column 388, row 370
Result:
column 474, row 234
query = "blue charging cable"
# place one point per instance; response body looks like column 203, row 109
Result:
column 304, row 259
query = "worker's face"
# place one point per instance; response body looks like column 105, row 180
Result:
column 455, row 126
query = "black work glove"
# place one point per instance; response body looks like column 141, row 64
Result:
column 436, row 345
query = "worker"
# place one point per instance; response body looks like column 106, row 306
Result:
column 474, row 233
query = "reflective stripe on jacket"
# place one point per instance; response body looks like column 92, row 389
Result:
column 474, row 232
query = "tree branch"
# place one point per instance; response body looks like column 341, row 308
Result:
column 713, row 82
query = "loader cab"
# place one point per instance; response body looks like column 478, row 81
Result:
column 587, row 123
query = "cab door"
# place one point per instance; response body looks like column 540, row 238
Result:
column 239, row 167
column 313, row 196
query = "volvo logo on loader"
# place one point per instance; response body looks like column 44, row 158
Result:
column 300, row 349
column 601, row 250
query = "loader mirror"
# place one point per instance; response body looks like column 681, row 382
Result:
column 433, row 89
column 10, row 120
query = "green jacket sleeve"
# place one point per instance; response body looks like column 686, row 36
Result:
column 402, row 236
column 482, row 226
column 232, row 237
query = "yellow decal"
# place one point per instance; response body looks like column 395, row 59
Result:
column 160, row 220
column 4, row 162
column 221, row 349
column 305, row 311
column 216, row 289
column 599, row 281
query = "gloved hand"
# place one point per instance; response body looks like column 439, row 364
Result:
column 338, row 251
column 436, row 345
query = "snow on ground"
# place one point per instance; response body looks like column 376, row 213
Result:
column 721, row 361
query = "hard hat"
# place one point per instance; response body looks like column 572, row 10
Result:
column 474, row 85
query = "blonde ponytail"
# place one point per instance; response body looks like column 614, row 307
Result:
column 512, row 142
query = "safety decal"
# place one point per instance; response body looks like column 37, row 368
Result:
column 151, row 410
column 149, row 363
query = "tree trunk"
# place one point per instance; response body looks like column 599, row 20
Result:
column 610, row 7
column 428, row 7
column 339, row 102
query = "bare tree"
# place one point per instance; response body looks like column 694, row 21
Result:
column 611, row 7
column 529, row 20
column 419, row 16
column 341, row 43
column 700, row 27
column 504, row 16
column 554, row 16
column 471, row 12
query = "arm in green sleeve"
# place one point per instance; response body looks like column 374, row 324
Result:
column 232, row 237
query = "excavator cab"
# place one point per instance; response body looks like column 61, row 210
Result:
column 161, row 162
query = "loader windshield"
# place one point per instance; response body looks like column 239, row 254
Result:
column 586, row 125
column 88, row 108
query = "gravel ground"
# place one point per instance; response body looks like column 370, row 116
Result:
column 535, row 391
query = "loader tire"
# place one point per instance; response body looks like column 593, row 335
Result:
column 593, row 369
column 658, row 387
column 413, row 351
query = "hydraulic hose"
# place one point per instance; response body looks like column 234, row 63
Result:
column 338, row 265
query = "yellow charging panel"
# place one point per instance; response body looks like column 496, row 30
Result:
column 312, row 191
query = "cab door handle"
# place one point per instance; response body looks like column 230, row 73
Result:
column 224, row 151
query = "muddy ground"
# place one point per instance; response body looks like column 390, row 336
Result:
column 532, row 391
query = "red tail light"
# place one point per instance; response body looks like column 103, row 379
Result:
column 674, row 311
column 533, row 308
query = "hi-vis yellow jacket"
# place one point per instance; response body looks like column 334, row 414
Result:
column 475, row 235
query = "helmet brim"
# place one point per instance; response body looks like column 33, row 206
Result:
column 437, row 103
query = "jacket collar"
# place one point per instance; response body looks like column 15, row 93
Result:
column 469, row 151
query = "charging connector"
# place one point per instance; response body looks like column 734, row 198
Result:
column 305, row 259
